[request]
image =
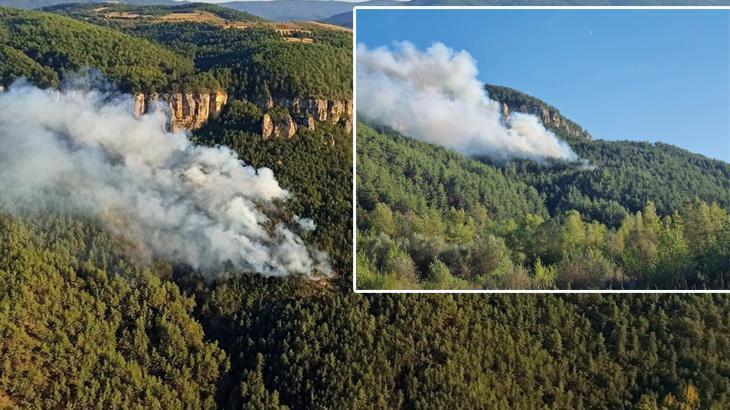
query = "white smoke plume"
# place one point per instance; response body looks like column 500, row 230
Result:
column 435, row 96
column 182, row 202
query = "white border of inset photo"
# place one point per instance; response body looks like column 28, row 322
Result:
column 354, row 147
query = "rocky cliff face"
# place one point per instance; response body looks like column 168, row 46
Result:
column 548, row 117
column 303, row 112
column 512, row 100
column 278, row 128
column 188, row 110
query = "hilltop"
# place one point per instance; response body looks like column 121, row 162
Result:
column 47, row 47
column 616, row 177
column 119, row 13
column 516, row 101
column 335, row 12
column 340, row 12
column 281, row 55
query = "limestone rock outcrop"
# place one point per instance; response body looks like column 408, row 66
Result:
column 303, row 112
column 548, row 117
column 284, row 127
column 187, row 110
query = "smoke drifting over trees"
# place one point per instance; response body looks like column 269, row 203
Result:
column 434, row 95
column 84, row 150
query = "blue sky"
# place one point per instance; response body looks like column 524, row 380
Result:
column 651, row 75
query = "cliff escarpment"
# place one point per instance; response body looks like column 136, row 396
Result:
column 512, row 100
column 281, row 119
column 283, row 116
column 187, row 110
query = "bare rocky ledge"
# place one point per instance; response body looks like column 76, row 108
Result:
column 547, row 116
column 303, row 112
column 187, row 110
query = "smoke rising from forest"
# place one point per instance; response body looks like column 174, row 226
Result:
column 434, row 95
column 82, row 149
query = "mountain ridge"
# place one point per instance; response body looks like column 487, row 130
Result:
column 340, row 12
column 512, row 100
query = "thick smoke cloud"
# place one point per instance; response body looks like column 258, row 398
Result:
column 434, row 96
column 84, row 150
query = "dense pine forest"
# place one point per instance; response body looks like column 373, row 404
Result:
column 83, row 326
column 84, row 323
column 201, row 51
column 645, row 216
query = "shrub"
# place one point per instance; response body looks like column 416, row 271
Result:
column 587, row 270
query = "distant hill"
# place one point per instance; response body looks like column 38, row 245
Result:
column 568, row 3
column 342, row 19
column 116, row 13
column 291, row 10
column 37, row 4
column 340, row 12
column 345, row 19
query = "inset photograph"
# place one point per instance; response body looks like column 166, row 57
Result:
column 542, row 150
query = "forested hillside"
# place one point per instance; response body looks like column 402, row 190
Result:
column 15, row 64
column 132, row 13
column 177, row 48
column 640, row 216
column 623, row 176
column 252, row 58
column 618, row 177
column 81, row 325
column 66, row 46
column 172, row 54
